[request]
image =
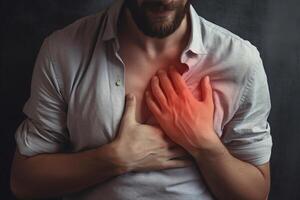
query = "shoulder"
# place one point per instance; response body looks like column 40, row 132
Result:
column 70, row 48
column 76, row 36
column 225, row 45
column 237, row 58
column 233, row 60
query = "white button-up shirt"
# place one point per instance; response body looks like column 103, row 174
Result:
column 78, row 96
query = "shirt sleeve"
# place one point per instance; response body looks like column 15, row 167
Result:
column 44, row 129
column 247, row 135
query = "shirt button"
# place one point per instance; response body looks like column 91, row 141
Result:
column 118, row 82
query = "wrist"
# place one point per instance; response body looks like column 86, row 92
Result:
column 215, row 156
column 211, row 148
column 112, row 158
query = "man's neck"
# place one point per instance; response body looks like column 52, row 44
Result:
column 173, row 44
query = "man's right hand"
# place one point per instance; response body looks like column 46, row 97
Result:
column 138, row 147
column 142, row 147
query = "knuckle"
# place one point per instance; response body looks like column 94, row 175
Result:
column 183, row 92
column 166, row 164
column 164, row 104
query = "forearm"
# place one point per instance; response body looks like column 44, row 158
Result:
column 229, row 177
column 51, row 175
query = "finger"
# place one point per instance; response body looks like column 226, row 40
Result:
column 158, row 93
column 130, row 108
column 153, row 107
column 206, row 90
column 166, row 86
column 175, row 153
column 177, row 80
column 177, row 163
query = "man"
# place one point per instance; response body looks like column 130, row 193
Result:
column 195, row 119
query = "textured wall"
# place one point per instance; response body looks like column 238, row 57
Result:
column 272, row 26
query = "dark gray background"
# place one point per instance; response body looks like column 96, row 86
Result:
column 271, row 25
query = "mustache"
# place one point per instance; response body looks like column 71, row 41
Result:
column 160, row 5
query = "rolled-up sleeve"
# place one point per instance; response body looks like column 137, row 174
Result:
column 247, row 135
column 44, row 129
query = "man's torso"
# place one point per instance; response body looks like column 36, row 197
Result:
column 94, row 82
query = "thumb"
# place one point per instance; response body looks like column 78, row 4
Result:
column 130, row 108
column 206, row 90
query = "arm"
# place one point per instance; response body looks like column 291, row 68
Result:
column 56, row 174
column 243, row 166
column 52, row 175
column 231, row 178
column 232, row 173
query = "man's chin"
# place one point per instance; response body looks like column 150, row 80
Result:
column 158, row 32
column 160, row 28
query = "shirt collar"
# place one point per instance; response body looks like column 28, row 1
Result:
column 195, row 43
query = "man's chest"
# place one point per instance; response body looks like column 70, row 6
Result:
column 138, row 75
column 137, row 81
column 97, row 102
column 138, row 71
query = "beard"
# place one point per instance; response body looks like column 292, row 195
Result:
column 151, row 18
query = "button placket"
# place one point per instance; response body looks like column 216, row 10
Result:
column 119, row 79
column 117, row 84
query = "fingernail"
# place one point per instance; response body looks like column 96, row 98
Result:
column 130, row 96
column 207, row 79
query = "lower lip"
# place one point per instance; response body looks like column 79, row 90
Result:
column 161, row 13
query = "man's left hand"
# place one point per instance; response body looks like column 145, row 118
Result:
column 185, row 119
